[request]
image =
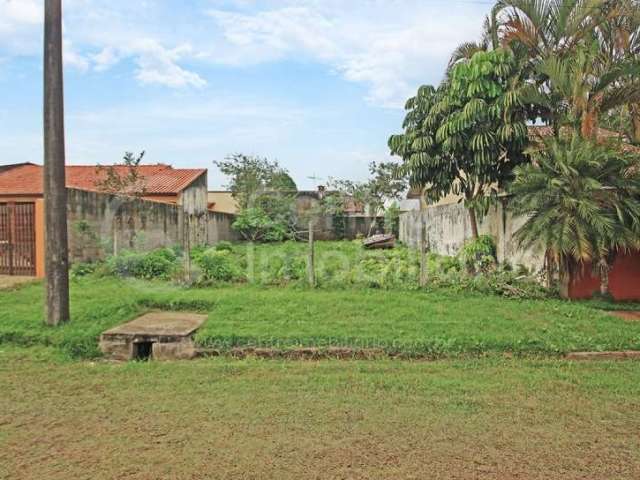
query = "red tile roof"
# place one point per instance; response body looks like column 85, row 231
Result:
column 537, row 132
column 26, row 179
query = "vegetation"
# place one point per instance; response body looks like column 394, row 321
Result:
column 265, row 194
column 342, row 264
column 568, row 65
column 130, row 183
column 353, row 419
column 465, row 137
column 432, row 323
column 583, row 204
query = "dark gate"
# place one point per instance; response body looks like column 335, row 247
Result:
column 17, row 239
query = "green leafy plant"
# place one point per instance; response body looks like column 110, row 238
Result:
column 582, row 201
column 216, row 265
column 255, row 225
column 478, row 254
column 156, row 264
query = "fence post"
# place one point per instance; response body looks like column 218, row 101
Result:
column 311, row 272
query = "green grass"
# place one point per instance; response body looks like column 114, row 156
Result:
column 433, row 324
column 225, row 418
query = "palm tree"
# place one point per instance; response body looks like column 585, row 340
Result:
column 582, row 201
column 579, row 56
column 619, row 40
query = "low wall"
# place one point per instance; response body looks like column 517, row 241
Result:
column 219, row 228
column 448, row 227
column 101, row 224
column 352, row 226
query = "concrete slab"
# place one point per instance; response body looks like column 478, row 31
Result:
column 170, row 324
column 157, row 335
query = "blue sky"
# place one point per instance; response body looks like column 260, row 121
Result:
column 316, row 84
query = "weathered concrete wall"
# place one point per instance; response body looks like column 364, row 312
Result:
column 194, row 198
column 101, row 224
column 219, row 228
column 448, row 227
column 353, row 226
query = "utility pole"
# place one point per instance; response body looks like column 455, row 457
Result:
column 55, row 192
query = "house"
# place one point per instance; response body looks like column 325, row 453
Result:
column 222, row 201
column 159, row 182
column 154, row 212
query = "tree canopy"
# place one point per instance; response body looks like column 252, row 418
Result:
column 466, row 136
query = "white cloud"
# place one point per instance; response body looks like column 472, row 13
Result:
column 389, row 46
column 368, row 42
column 105, row 59
column 72, row 58
column 16, row 13
column 98, row 35
column 158, row 65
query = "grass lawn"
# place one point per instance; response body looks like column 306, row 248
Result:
column 438, row 323
column 490, row 418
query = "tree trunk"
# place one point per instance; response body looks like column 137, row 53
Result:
column 634, row 110
column 311, row 269
column 55, row 192
column 423, row 250
column 590, row 121
column 604, row 277
column 474, row 223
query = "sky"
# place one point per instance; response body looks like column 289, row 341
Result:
column 318, row 85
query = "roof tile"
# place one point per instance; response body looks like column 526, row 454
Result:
column 26, row 179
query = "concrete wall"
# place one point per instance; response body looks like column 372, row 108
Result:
column 448, row 227
column 193, row 199
column 101, row 224
column 354, row 226
column 219, row 228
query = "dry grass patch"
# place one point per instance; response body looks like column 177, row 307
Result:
column 226, row 418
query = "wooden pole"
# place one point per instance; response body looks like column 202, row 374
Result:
column 423, row 249
column 55, row 192
column 311, row 268
column 423, row 238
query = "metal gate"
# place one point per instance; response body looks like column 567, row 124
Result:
column 17, row 239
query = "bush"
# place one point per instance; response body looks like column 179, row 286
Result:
column 478, row 255
column 216, row 265
column 255, row 225
column 392, row 219
column 223, row 246
column 156, row 264
column 82, row 269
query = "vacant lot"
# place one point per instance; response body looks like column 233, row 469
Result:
column 431, row 324
column 223, row 418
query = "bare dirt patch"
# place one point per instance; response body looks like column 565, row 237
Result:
column 12, row 281
column 627, row 315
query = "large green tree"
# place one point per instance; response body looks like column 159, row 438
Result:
column 582, row 201
column 465, row 137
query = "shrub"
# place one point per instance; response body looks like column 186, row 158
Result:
column 223, row 246
column 216, row 265
column 255, row 225
column 392, row 219
column 156, row 264
column 478, row 254
column 82, row 269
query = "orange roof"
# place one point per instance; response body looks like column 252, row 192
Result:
column 537, row 132
column 26, row 179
